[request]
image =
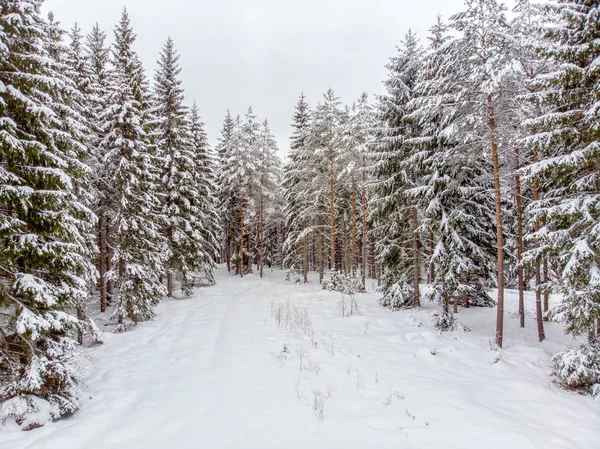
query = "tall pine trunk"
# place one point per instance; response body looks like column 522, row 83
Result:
column 320, row 250
column 102, row 260
column 305, row 259
column 499, row 237
column 519, row 208
column 546, row 293
column 364, row 222
column 538, row 278
column 353, row 252
column 241, row 240
column 331, row 207
column 169, row 270
column 260, row 234
column 416, row 260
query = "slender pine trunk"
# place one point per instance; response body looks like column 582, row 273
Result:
column 499, row 237
column 364, row 222
column 416, row 260
column 102, row 259
column 519, row 208
column 538, row 277
column 331, row 207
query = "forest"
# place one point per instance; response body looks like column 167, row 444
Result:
column 475, row 172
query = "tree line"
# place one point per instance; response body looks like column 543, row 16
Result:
column 476, row 169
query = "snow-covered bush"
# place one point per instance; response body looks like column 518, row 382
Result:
column 397, row 295
column 445, row 322
column 579, row 368
column 339, row 282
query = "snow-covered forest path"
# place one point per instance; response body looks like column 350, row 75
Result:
column 218, row 371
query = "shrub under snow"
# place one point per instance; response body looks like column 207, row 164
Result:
column 339, row 282
column 445, row 322
column 579, row 368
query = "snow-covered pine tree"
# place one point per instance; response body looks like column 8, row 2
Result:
column 477, row 60
column 179, row 179
column 269, row 201
column 225, row 199
column 297, row 182
column 206, row 202
column 138, row 256
column 393, row 210
column 526, row 27
column 325, row 142
column 79, row 123
column 567, row 141
column 453, row 191
column 357, row 137
column 97, row 69
column 45, row 269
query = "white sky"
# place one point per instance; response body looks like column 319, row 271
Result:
column 264, row 53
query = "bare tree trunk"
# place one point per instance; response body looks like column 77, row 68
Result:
column 80, row 317
column 364, row 222
column 121, row 274
column 431, row 265
column 416, row 259
column 466, row 304
column 260, row 235
column 169, row 271
column 373, row 270
column 353, row 252
column 228, row 239
column 331, row 207
column 538, row 280
column 109, row 256
column 305, row 259
column 102, row 260
column 519, row 241
column 546, row 293
column 320, row 250
column 241, row 247
column 500, row 239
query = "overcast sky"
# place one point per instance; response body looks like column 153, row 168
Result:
column 264, row 53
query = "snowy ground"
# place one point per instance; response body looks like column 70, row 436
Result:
column 222, row 370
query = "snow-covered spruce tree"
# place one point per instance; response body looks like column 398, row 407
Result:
column 97, row 70
column 452, row 191
column 525, row 28
column 235, row 186
column 79, row 123
column 477, row 60
column 357, row 138
column 45, row 269
column 225, row 198
column 567, row 141
column 206, row 201
column 182, row 197
column 269, row 201
column 325, row 143
column 394, row 211
column 296, row 182
column 138, row 255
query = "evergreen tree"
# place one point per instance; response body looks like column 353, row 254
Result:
column 206, row 201
column 567, row 141
column 97, row 70
column 297, row 184
column 179, row 179
column 477, row 60
column 45, row 266
column 453, row 190
column 137, row 259
column 394, row 173
column 225, row 200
